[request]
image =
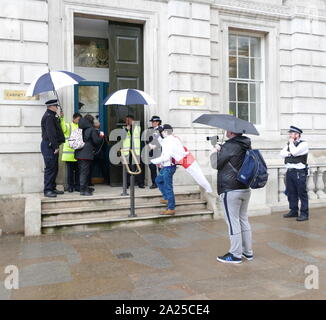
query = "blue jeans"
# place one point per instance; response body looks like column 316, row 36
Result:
column 164, row 181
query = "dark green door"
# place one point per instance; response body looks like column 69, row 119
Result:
column 126, row 71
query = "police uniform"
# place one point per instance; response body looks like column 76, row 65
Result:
column 295, row 156
column 154, row 138
column 127, row 144
column 52, row 137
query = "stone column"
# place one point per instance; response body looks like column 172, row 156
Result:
column 281, row 185
column 320, row 183
column 311, row 184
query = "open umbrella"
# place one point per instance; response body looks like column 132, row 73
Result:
column 52, row 81
column 129, row 96
column 227, row 122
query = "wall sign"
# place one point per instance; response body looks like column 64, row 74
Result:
column 17, row 95
column 191, row 101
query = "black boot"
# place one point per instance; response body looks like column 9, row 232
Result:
column 153, row 186
column 50, row 194
column 290, row 215
column 58, row 191
column 302, row 218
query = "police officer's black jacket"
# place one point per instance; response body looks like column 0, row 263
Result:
column 91, row 139
column 228, row 161
column 51, row 129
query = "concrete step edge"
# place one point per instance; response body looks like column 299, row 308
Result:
column 47, row 212
column 103, row 197
column 128, row 219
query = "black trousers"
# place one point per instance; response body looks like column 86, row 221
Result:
column 296, row 188
column 51, row 166
column 84, row 174
column 72, row 174
column 153, row 168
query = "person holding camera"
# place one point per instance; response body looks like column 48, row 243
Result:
column 228, row 159
column 85, row 156
column 295, row 155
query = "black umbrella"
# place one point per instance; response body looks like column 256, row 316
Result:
column 227, row 122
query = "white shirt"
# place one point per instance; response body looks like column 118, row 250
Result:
column 300, row 150
column 171, row 148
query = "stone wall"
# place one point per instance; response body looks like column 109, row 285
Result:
column 23, row 55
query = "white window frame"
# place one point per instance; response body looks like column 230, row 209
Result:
column 269, row 28
column 262, row 80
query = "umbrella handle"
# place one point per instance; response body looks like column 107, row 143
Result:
column 56, row 94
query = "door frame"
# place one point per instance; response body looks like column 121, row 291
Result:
column 148, row 18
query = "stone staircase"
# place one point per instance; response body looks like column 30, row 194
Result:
column 103, row 212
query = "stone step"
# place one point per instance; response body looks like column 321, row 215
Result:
column 78, row 201
column 107, row 223
column 116, row 212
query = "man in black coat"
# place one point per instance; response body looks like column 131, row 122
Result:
column 228, row 160
column 52, row 137
column 85, row 156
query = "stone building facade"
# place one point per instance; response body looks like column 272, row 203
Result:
column 263, row 60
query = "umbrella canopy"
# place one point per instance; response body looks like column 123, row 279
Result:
column 227, row 122
column 129, row 96
column 52, row 81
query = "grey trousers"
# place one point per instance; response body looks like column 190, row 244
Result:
column 235, row 204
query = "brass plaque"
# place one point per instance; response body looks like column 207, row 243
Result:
column 17, row 95
column 192, row 101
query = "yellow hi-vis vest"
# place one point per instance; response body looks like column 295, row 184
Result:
column 68, row 154
column 126, row 145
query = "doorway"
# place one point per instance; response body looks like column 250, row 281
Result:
column 109, row 54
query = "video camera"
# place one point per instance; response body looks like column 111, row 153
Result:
column 213, row 140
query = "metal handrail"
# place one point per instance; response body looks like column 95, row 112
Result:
column 125, row 162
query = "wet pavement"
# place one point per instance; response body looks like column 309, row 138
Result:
column 169, row 262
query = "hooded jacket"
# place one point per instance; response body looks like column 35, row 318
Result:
column 228, row 161
column 91, row 140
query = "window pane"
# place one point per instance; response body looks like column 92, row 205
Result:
column 243, row 46
column 243, row 111
column 232, row 45
column 233, row 109
column 255, row 68
column 244, row 68
column 243, row 92
column 253, row 113
column 255, row 47
column 232, row 92
column 232, row 67
column 255, row 92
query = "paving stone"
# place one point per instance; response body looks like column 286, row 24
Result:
column 44, row 274
column 146, row 256
column 49, row 249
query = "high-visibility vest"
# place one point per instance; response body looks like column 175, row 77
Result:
column 68, row 154
column 126, row 145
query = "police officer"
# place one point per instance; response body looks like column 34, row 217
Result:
column 52, row 137
column 154, row 141
column 133, row 129
column 295, row 154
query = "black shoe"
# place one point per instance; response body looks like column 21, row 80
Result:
column 248, row 256
column 290, row 215
column 58, row 191
column 141, row 186
column 302, row 218
column 77, row 189
column 91, row 185
column 70, row 189
column 153, row 186
column 50, row 194
column 229, row 258
column 91, row 189
column 86, row 193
